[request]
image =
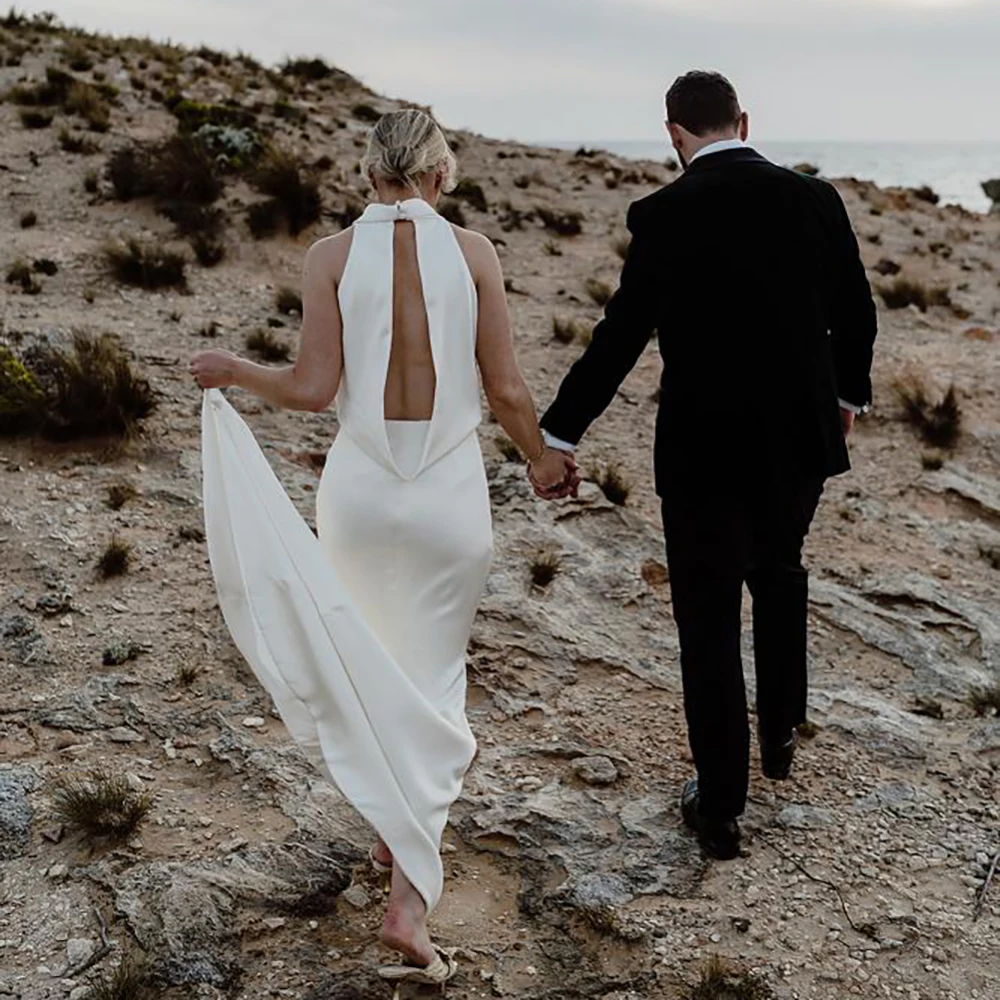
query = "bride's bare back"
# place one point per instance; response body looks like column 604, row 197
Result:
column 411, row 380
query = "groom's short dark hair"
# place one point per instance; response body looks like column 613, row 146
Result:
column 702, row 101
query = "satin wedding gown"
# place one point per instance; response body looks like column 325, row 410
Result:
column 359, row 635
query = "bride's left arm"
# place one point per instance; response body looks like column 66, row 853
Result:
column 310, row 383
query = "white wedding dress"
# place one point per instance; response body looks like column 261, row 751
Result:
column 360, row 635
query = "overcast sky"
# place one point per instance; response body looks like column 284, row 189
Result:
column 597, row 69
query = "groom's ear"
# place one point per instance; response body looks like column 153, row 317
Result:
column 744, row 126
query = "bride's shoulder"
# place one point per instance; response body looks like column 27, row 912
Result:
column 331, row 250
column 473, row 243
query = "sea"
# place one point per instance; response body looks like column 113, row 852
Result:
column 955, row 170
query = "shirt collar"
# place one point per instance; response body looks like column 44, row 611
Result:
column 718, row 147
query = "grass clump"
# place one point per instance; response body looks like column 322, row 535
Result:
column 129, row 981
column 600, row 292
column 179, row 169
column 188, row 673
column 508, row 449
column 266, row 345
column 63, row 393
column 146, row 264
column 564, row 223
column 718, row 982
column 905, row 292
column 544, row 568
column 472, row 194
column 120, row 492
column 20, row 273
column 287, row 300
column 100, row 804
column 115, row 559
column 28, row 219
column 939, row 423
column 985, row 700
column 567, row 330
column 613, row 483
column 120, row 652
column 366, row 113
column 70, row 142
column 33, row 118
column 293, row 192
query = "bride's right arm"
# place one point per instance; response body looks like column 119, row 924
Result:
column 310, row 383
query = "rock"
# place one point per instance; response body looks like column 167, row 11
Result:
column 122, row 734
column 58, row 871
column 15, row 811
column 357, row 896
column 803, row 817
column 596, row 770
column 79, row 950
column 254, row 721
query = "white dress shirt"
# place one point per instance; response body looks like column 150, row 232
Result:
column 712, row 147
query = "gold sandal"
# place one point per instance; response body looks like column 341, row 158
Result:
column 378, row 866
column 444, row 966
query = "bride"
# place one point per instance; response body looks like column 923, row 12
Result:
column 359, row 635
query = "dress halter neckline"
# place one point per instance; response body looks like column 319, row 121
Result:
column 410, row 208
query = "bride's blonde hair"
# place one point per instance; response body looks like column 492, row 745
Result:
column 405, row 145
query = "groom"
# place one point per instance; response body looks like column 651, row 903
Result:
column 750, row 276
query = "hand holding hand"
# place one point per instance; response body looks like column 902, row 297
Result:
column 213, row 369
column 554, row 474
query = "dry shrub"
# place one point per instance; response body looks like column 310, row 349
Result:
column 612, row 482
column 146, row 264
column 293, row 191
column 599, row 291
column 985, row 700
column 905, row 292
column 939, row 423
column 544, row 567
column 129, row 981
column 100, row 804
column 472, row 194
column 565, row 223
column 89, row 388
column 568, row 330
column 267, row 346
column 115, row 559
column 718, row 982
column 120, row 492
column 287, row 300
column 508, row 449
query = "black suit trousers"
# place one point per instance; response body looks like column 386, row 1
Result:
column 722, row 531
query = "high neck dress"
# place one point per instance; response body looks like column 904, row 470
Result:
column 359, row 635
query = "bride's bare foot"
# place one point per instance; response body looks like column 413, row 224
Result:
column 405, row 925
column 381, row 853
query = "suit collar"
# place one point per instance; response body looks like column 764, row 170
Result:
column 723, row 157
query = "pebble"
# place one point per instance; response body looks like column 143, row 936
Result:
column 253, row 722
column 596, row 770
column 58, row 871
column 357, row 896
column 78, row 950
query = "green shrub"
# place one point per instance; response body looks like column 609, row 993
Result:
column 283, row 177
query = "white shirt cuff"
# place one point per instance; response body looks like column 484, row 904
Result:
column 554, row 442
column 850, row 407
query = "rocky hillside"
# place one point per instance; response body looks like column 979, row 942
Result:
column 158, row 834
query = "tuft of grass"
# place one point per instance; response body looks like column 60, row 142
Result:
column 287, row 300
column 208, row 250
column 146, row 264
column 120, row 652
column 472, row 194
column 209, row 329
column 90, row 182
column 100, row 804
column 985, row 700
column 991, row 553
column 306, row 69
column 266, row 345
column 115, row 559
column 808, row 730
column 120, row 492
column 451, row 210
column 293, row 191
column 20, row 273
column 552, row 249
column 599, row 291
column 188, row 673
column 544, row 567
column 87, row 388
column 932, row 461
column 930, row 708
column 568, row 330
column 718, row 982
column 925, row 193
column 33, row 118
column 190, row 533
column 28, row 219
column 129, row 981
column 366, row 113
column 939, row 424
column 564, row 223
column 612, row 482
column 905, row 292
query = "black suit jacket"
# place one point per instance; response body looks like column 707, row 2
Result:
column 752, row 277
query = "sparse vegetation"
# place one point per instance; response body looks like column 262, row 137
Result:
column 20, row 273
column 544, row 567
column 146, row 264
column 129, row 981
column 366, row 113
column 599, row 291
column 188, row 673
column 100, row 804
column 28, row 219
column 208, row 250
column 472, row 194
column 939, row 424
column 287, row 300
column 552, row 249
column 120, row 652
column 925, row 193
column 907, row 291
column 115, row 559
column 120, row 492
column 71, row 142
column 451, row 210
column 508, row 449
column 612, row 482
column 294, row 192
column 718, row 982
column 267, row 346
column 931, row 461
column 33, row 118
column 179, row 169
column 568, row 330
column 63, row 393
column 991, row 553
column 565, row 223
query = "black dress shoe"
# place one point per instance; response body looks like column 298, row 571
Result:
column 718, row 837
column 776, row 757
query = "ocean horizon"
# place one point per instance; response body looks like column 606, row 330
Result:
column 954, row 169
